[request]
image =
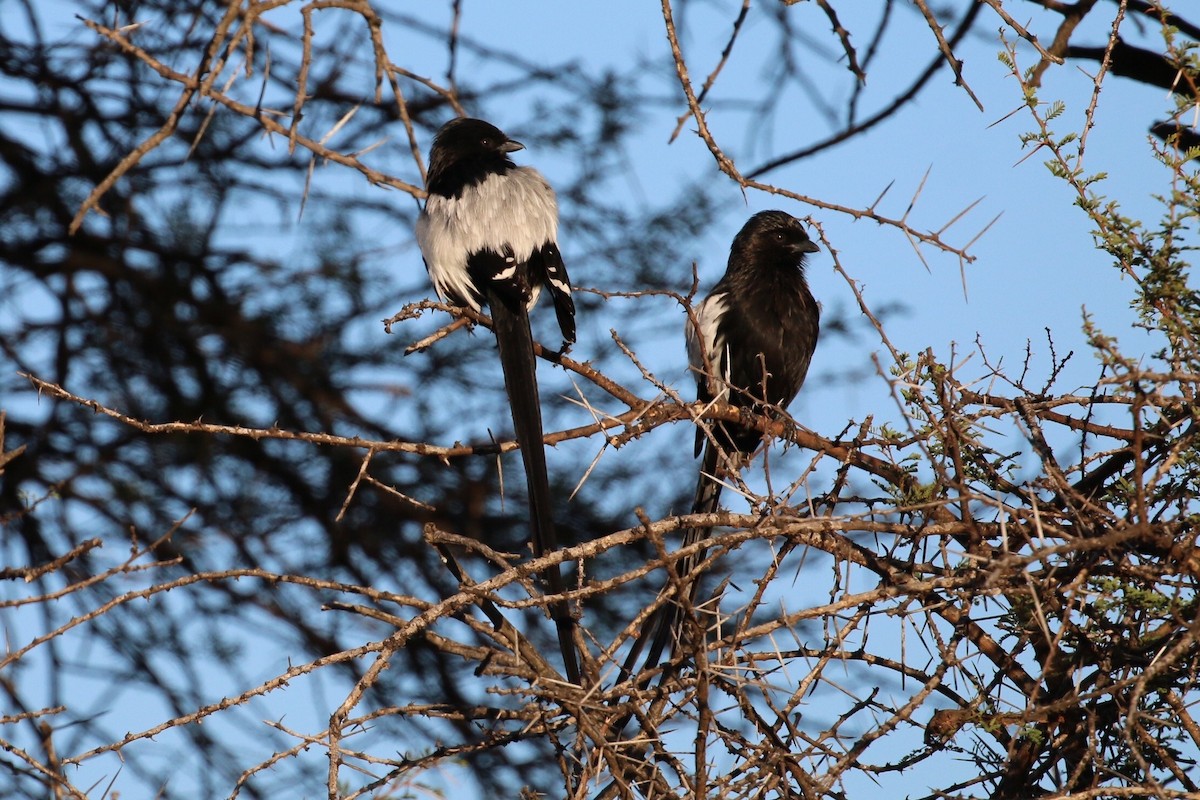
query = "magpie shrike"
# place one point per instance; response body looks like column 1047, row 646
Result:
column 488, row 234
column 750, row 346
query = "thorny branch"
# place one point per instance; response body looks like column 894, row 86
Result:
column 1038, row 593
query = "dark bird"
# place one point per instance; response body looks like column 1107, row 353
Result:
column 488, row 234
column 750, row 346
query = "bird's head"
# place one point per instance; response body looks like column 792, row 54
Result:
column 465, row 152
column 472, row 138
column 773, row 236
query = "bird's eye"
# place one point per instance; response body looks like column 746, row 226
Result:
column 486, row 142
column 779, row 237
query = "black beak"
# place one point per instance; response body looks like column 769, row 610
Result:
column 511, row 147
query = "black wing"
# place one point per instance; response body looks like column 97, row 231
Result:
column 546, row 266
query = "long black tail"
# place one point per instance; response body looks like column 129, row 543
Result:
column 666, row 626
column 511, row 325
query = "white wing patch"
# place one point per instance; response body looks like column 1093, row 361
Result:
column 517, row 209
column 557, row 282
column 708, row 315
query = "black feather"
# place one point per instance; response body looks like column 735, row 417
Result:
column 464, row 153
column 487, row 235
column 770, row 325
column 515, row 342
column 765, row 329
column 546, row 265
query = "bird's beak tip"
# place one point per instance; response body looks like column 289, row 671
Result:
column 512, row 146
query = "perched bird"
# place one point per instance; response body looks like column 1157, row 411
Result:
column 488, row 234
column 750, row 346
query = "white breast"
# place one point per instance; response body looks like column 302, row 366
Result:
column 517, row 209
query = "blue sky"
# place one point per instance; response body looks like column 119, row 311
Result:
column 1036, row 267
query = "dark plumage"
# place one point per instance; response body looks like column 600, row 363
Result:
column 488, row 234
column 750, row 346
column 756, row 331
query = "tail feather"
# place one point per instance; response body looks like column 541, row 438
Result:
column 511, row 325
column 666, row 626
